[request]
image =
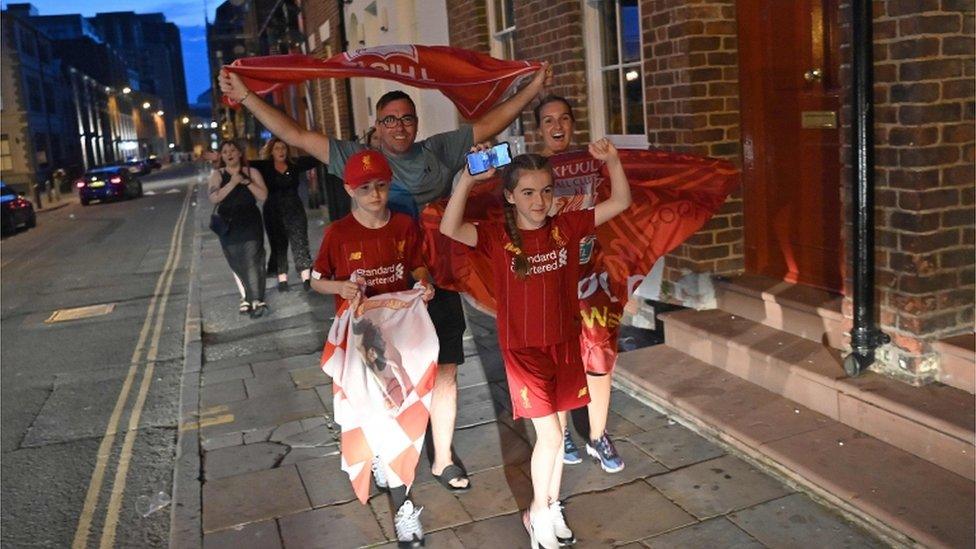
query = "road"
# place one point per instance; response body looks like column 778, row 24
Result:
column 89, row 406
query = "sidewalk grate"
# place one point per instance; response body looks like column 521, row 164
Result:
column 78, row 313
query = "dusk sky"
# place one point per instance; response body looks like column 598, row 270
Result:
column 188, row 15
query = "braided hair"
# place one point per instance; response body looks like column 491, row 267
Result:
column 510, row 178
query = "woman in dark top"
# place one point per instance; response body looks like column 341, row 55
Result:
column 236, row 188
column 284, row 214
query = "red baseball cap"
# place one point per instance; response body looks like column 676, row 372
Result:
column 365, row 166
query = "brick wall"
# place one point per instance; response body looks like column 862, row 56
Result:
column 327, row 95
column 692, row 94
column 553, row 31
column 468, row 24
column 924, row 155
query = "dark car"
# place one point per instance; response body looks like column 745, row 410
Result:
column 15, row 210
column 108, row 183
column 140, row 167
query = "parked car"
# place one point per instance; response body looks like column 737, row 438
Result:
column 139, row 167
column 154, row 162
column 106, row 183
column 15, row 210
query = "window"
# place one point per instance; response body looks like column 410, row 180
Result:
column 6, row 159
column 34, row 94
column 615, row 69
column 501, row 21
column 502, row 17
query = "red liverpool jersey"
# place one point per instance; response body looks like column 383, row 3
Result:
column 543, row 308
column 382, row 259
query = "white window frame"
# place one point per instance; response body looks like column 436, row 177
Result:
column 592, row 27
column 497, row 38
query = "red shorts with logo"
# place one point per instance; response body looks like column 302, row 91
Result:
column 545, row 380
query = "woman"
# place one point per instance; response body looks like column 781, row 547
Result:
column 235, row 188
column 284, row 214
column 555, row 123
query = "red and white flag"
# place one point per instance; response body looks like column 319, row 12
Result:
column 473, row 81
column 381, row 354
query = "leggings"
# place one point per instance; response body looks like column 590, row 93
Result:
column 246, row 259
column 286, row 224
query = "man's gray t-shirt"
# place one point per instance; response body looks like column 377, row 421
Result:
column 421, row 175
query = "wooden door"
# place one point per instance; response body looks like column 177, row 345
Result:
column 789, row 66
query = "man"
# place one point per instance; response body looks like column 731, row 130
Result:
column 422, row 172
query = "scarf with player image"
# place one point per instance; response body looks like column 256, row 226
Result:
column 381, row 353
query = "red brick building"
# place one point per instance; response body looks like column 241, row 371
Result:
column 767, row 86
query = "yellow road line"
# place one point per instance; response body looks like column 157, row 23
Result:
column 207, row 422
column 125, row 457
column 108, row 441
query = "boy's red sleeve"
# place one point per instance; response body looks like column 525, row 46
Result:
column 324, row 266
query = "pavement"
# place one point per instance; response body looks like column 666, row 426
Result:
column 258, row 459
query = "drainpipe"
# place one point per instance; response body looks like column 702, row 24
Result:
column 866, row 337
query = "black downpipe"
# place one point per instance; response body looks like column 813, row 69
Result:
column 866, row 337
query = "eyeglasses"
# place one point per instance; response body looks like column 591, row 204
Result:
column 391, row 121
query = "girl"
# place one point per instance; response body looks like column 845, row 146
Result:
column 236, row 188
column 284, row 213
column 556, row 123
column 536, row 271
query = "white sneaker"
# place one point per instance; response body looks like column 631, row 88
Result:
column 409, row 531
column 379, row 474
column 563, row 534
column 540, row 528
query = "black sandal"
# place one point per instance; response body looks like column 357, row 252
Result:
column 453, row 472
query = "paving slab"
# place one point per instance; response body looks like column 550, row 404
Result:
column 498, row 491
column 718, row 486
column 222, row 393
column 323, row 435
column 932, row 505
column 795, row 521
column 442, row 539
column 295, row 362
column 623, row 514
column 675, row 446
column 257, row 535
column 257, row 435
column 298, row 455
column 268, row 411
column 221, row 441
column 337, row 526
column 237, row 460
column 503, row 531
column 312, row 376
column 441, row 509
column 478, row 414
column 265, row 385
column 636, row 412
column 490, row 445
column 716, row 532
column 326, row 482
column 214, row 377
column 589, row 477
column 239, row 360
column 252, row 497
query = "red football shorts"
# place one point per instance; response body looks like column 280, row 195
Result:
column 545, row 380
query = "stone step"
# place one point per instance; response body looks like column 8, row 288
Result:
column 800, row 310
column 898, row 495
column 958, row 364
column 934, row 422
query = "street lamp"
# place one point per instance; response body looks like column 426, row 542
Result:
column 185, row 119
column 160, row 113
column 126, row 90
column 146, row 105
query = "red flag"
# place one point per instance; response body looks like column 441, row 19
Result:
column 474, row 82
column 674, row 195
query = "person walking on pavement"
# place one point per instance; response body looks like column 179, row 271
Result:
column 555, row 123
column 284, row 214
column 422, row 172
column 235, row 189
column 372, row 239
column 536, row 269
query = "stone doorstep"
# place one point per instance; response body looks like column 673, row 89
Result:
column 896, row 495
column 934, row 422
column 958, row 367
column 801, row 310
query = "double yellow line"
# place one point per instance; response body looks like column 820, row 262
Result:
column 154, row 323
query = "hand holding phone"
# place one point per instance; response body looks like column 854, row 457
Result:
column 483, row 160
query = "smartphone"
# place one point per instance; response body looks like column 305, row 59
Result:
column 495, row 157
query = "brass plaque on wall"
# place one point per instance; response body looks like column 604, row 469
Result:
column 818, row 119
